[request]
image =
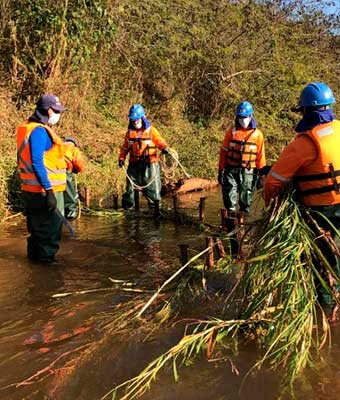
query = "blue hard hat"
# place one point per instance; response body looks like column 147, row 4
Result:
column 136, row 112
column 244, row 109
column 316, row 94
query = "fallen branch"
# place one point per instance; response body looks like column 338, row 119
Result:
column 171, row 279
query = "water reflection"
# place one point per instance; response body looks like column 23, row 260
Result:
column 37, row 331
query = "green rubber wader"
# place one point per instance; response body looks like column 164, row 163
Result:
column 71, row 197
column 237, row 188
column 142, row 173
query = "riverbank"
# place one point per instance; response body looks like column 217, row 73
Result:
column 189, row 85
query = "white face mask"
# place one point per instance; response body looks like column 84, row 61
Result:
column 138, row 123
column 244, row 122
column 54, row 118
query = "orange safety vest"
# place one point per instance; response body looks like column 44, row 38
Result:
column 73, row 157
column 53, row 160
column 141, row 146
column 318, row 184
column 242, row 153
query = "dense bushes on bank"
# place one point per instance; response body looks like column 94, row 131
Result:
column 188, row 62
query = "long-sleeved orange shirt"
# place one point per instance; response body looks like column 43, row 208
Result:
column 242, row 134
column 299, row 153
column 73, row 157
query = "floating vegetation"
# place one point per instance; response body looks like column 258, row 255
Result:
column 274, row 302
column 101, row 212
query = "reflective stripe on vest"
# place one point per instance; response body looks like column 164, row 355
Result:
column 242, row 153
column 141, row 146
column 28, row 168
column 35, row 182
column 278, row 177
column 319, row 182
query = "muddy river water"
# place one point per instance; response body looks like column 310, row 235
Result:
column 38, row 333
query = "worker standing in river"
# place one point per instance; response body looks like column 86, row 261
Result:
column 312, row 162
column 42, row 168
column 141, row 142
column 242, row 156
column 75, row 163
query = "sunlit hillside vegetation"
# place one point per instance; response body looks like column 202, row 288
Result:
column 189, row 62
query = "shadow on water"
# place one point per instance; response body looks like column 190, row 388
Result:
column 46, row 341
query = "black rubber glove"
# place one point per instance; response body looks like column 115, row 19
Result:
column 121, row 163
column 265, row 170
column 220, row 177
column 51, row 200
column 165, row 151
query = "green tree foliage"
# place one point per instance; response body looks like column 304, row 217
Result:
column 209, row 54
column 45, row 39
column 189, row 62
column 214, row 54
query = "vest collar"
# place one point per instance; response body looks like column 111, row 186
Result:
column 314, row 118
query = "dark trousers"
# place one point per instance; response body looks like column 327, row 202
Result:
column 43, row 225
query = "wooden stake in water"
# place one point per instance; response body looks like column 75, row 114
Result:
column 115, row 201
column 175, row 203
column 223, row 218
column 156, row 210
column 210, row 259
column 202, row 209
column 184, row 253
column 87, row 197
column 220, row 247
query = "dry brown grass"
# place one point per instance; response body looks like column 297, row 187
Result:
column 99, row 131
column 98, row 138
column 9, row 117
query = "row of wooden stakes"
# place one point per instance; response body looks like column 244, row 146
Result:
column 212, row 255
column 229, row 222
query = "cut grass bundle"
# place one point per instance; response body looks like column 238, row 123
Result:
column 278, row 298
column 280, row 281
column 101, row 212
